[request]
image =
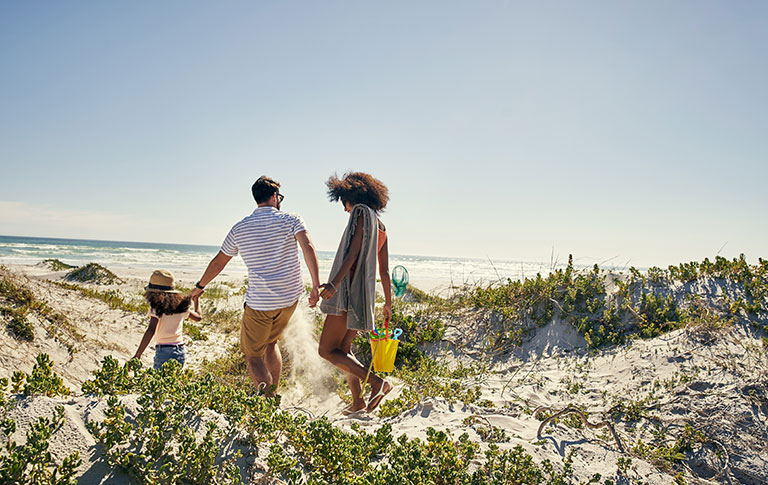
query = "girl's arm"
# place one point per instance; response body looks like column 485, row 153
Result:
column 329, row 289
column 147, row 338
column 195, row 314
column 386, row 281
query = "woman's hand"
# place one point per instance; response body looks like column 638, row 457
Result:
column 329, row 289
column 387, row 310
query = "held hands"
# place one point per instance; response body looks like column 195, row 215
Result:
column 195, row 293
column 329, row 289
column 314, row 296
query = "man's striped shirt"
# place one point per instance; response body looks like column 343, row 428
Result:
column 266, row 240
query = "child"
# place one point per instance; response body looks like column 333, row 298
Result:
column 167, row 311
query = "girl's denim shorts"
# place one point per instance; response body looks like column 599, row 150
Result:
column 164, row 353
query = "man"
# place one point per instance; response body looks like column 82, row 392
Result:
column 266, row 240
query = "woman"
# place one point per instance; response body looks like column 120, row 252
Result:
column 350, row 294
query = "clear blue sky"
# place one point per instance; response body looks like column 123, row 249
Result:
column 634, row 130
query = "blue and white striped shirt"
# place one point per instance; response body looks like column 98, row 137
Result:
column 266, row 240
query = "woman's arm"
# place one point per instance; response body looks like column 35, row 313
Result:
column 386, row 281
column 147, row 337
column 329, row 289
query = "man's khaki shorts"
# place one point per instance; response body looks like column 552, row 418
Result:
column 261, row 328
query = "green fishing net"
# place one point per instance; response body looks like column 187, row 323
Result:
column 399, row 279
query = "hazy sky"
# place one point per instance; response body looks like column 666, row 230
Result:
column 627, row 130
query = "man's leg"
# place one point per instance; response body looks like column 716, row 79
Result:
column 259, row 373
column 254, row 335
column 272, row 356
column 274, row 364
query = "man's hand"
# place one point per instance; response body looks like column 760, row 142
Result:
column 314, row 297
column 195, row 294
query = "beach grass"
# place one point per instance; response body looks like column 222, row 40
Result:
column 114, row 298
column 18, row 303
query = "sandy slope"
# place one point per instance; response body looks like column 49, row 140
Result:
column 713, row 380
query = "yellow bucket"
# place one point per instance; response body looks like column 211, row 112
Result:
column 384, row 353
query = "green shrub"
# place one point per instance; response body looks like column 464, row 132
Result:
column 21, row 302
column 93, row 273
column 42, row 381
column 195, row 332
column 638, row 306
column 114, row 379
column 156, row 447
column 18, row 323
column 32, row 461
column 56, row 265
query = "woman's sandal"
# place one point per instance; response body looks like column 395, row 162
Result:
column 376, row 400
column 347, row 411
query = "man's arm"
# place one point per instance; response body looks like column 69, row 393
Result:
column 310, row 259
column 217, row 264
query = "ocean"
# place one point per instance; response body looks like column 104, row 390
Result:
column 429, row 273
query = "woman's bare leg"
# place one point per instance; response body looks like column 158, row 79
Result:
column 352, row 380
column 333, row 349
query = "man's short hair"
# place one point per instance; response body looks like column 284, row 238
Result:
column 264, row 188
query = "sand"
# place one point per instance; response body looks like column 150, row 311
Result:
column 701, row 376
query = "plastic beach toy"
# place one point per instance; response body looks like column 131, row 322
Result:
column 384, row 348
column 399, row 279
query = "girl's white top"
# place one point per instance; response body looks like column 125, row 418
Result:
column 169, row 327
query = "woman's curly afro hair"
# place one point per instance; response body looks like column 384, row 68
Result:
column 358, row 188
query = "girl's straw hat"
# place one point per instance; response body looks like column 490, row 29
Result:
column 161, row 280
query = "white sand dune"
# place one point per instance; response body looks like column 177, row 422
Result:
column 713, row 381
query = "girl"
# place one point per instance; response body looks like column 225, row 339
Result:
column 167, row 311
column 349, row 295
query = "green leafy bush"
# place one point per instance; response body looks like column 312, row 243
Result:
column 32, row 461
column 20, row 301
column 93, row 273
column 18, row 323
column 641, row 304
column 156, row 446
column 56, row 265
column 42, row 381
column 114, row 379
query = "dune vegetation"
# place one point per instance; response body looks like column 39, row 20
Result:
column 470, row 350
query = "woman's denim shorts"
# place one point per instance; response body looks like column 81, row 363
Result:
column 164, row 353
